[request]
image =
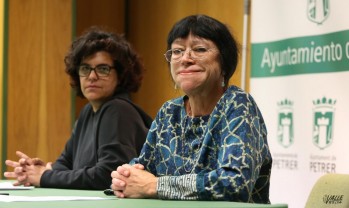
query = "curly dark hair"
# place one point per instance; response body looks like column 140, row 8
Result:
column 209, row 28
column 126, row 61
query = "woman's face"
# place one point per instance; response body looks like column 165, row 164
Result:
column 197, row 75
column 98, row 88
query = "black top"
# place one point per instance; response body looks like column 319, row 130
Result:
column 100, row 142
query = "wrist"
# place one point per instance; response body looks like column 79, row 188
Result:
column 152, row 191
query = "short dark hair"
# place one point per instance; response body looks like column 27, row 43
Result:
column 209, row 28
column 126, row 61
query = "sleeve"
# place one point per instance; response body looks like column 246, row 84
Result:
column 64, row 162
column 119, row 130
column 239, row 160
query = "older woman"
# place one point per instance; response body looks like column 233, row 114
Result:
column 110, row 129
column 210, row 144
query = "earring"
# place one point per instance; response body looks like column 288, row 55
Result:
column 175, row 87
column 223, row 84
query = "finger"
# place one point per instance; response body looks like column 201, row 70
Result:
column 114, row 174
column 120, row 169
column 118, row 184
column 139, row 166
column 119, row 194
column 22, row 179
column 27, row 184
column 22, row 155
column 19, row 170
column 17, row 183
column 127, row 166
column 124, row 170
column 11, row 163
column 25, row 161
column 37, row 161
column 10, row 174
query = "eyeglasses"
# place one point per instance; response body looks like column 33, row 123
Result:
column 101, row 70
column 175, row 55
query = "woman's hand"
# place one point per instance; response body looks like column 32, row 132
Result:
column 133, row 182
column 24, row 171
column 34, row 172
column 18, row 172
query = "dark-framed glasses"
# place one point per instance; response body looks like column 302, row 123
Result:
column 176, row 54
column 102, row 70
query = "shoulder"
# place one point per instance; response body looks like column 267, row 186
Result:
column 119, row 106
column 235, row 97
column 234, row 93
column 172, row 106
column 128, row 109
column 236, row 100
column 113, row 106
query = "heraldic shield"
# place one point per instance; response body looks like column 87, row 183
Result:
column 318, row 10
column 323, row 114
column 285, row 135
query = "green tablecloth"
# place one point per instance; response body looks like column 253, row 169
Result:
column 114, row 203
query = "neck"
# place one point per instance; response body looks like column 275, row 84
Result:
column 95, row 106
column 201, row 105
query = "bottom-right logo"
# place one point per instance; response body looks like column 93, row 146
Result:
column 332, row 199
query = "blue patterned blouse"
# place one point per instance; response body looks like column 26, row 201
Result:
column 221, row 156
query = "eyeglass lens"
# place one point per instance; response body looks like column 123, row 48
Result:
column 174, row 55
column 100, row 70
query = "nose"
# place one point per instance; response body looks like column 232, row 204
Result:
column 187, row 55
column 93, row 75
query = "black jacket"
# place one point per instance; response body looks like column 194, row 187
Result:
column 100, row 142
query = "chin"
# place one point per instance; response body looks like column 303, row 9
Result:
column 188, row 87
column 92, row 98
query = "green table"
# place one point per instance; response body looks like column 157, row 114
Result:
column 114, row 203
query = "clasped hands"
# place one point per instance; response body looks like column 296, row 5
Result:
column 27, row 171
column 133, row 182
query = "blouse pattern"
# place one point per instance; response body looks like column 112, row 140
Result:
column 221, row 156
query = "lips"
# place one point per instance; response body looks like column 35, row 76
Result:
column 92, row 87
column 186, row 71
